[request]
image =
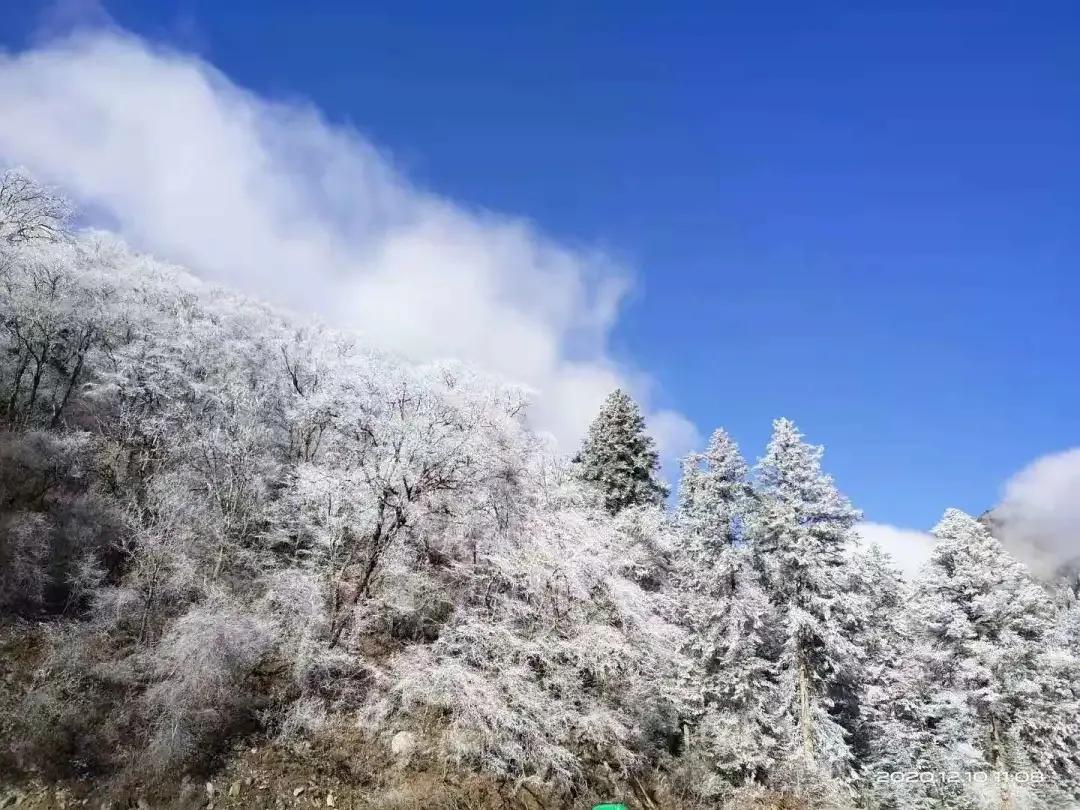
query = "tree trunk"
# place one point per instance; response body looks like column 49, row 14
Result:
column 997, row 757
column 804, row 712
column 381, row 538
column 13, row 400
column 361, row 588
column 73, row 380
column 36, row 383
column 148, row 604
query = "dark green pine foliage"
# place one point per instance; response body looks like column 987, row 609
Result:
column 620, row 458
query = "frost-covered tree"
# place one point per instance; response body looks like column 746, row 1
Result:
column 802, row 534
column 243, row 523
column 713, row 491
column 237, row 522
column 619, row 457
column 1067, row 625
column 890, row 740
column 30, row 211
column 59, row 311
column 732, row 622
column 992, row 663
column 737, row 650
column 714, row 499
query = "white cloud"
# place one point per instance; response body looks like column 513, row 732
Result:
column 908, row 548
column 1038, row 518
column 274, row 199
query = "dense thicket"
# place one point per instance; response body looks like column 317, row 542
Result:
column 230, row 523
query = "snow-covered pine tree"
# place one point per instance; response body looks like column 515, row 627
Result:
column 890, row 739
column 1048, row 721
column 802, row 533
column 714, row 499
column 1001, row 684
column 689, row 484
column 731, row 620
column 714, row 490
column 738, row 653
column 620, row 458
column 1067, row 625
column 1059, row 697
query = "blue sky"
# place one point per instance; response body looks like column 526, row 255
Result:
column 865, row 217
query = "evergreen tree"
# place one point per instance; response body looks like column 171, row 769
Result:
column 890, row 741
column 689, row 485
column 620, row 458
column 738, row 653
column 714, row 502
column 731, row 620
column 1067, row 626
column 1002, row 685
column 802, row 535
column 713, row 490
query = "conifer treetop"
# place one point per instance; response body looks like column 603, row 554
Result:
column 790, row 473
column 620, row 457
column 713, row 487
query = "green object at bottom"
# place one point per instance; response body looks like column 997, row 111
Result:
column 609, row 807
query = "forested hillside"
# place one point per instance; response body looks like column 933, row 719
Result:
column 225, row 530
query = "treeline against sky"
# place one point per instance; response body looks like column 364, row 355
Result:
column 225, row 522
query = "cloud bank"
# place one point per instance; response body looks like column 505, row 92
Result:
column 274, row 199
column 1038, row 518
column 908, row 548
